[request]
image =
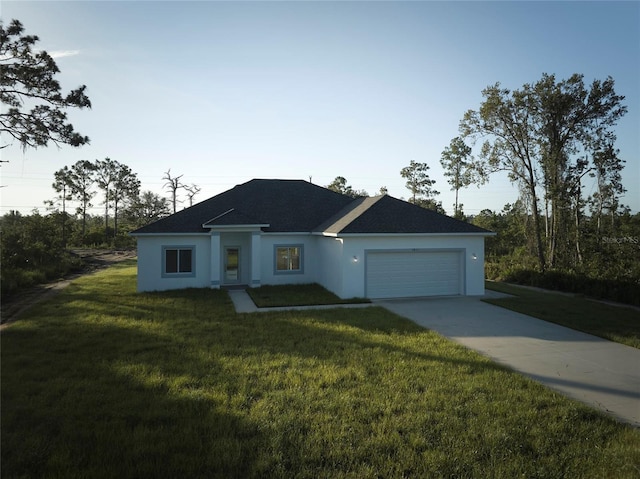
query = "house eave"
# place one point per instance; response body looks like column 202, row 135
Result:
column 253, row 227
column 390, row 235
column 169, row 234
column 286, row 233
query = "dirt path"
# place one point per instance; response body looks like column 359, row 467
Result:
column 95, row 260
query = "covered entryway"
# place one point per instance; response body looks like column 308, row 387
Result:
column 414, row 273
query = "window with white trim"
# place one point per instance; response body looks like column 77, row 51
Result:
column 178, row 261
column 288, row 259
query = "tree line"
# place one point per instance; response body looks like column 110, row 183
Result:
column 550, row 137
column 458, row 165
column 120, row 195
column 35, row 248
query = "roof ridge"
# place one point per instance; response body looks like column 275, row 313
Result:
column 348, row 214
column 219, row 216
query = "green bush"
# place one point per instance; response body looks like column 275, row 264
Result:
column 124, row 241
column 15, row 279
column 623, row 290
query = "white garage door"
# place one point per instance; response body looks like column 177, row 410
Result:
column 413, row 273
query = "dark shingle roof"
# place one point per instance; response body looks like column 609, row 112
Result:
column 286, row 205
column 300, row 206
column 390, row 215
column 346, row 215
column 233, row 217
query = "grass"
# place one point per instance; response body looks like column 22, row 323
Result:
column 615, row 323
column 103, row 382
column 297, row 295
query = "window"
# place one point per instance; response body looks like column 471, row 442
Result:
column 178, row 261
column 289, row 259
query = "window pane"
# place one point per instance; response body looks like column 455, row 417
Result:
column 288, row 259
column 231, row 264
column 171, row 261
column 185, row 261
column 282, row 259
column 294, row 258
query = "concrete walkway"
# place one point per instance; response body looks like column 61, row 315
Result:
column 600, row 373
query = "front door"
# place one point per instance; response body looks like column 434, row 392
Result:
column 232, row 264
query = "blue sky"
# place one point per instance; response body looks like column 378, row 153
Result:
column 223, row 92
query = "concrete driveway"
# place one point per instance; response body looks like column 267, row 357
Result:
column 600, row 373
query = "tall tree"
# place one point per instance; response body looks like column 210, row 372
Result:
column 572, row 119
column 607, row 172
column 27, row 78
column 507, row 118
column 539, row 135
column 62, row 184
column 106, row 172
column 173, row 184
column 126, row 187
column 457, row 162
column 419, row 184
column 82, row 180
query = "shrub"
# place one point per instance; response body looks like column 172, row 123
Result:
column 15, row 279
column 620, row 290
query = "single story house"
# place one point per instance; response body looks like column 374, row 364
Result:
column 270, row 231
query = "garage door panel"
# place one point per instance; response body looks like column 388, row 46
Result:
column 406, row 274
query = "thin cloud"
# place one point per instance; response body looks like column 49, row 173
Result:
column 64, row 53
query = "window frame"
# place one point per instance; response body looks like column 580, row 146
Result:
column 300, row 248
column 178, row 249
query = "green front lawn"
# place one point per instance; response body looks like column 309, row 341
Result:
column 616, row 323
column 103, row 382
column 297, row 295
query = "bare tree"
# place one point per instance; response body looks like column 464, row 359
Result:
column 173, row 184
column 192, row 191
